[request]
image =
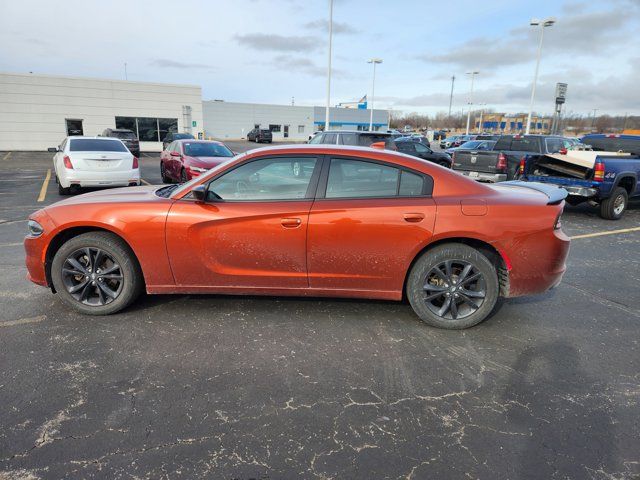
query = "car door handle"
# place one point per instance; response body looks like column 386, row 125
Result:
column 291, row 222
column 413, row 217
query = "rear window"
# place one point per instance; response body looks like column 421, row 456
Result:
column 206, row 150
column 367, row 140
column 525, row 145
column 614, row 144
column 96, row 145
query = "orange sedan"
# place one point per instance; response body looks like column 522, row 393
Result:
column 310, row 220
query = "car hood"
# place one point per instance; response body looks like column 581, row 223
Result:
column 208, row 162
column 113, row 195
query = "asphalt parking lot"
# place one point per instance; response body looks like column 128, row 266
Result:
column 279, row 388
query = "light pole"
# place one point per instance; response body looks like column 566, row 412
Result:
column 326, row 113
column 547, row 22
column 473, row 75
column 374, row 61
column 453, row 80
column 482, row 105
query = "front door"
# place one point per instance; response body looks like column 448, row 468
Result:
column 251, row 232
column 74, row 127
column 369, row 226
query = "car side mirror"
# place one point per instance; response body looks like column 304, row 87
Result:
column 199, row 192
column 175, row 154
column 52, row 149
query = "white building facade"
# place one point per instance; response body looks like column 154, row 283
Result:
column 38, row 111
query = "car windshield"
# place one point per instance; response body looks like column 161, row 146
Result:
column 96, row 145
column 470, row 144
column 201, row 149
column 178, row 136
column 125, row 135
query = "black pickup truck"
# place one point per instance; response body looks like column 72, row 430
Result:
column 502, row 162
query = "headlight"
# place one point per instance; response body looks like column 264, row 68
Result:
column 35, row 229
column 198, row 169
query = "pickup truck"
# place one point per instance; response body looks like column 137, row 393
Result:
column 502, row 162
column 604, row 179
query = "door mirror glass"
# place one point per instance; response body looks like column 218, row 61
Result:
column 175, row 154
column 199, row 192
column 52, row 149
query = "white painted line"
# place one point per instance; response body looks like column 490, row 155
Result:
column 609, row 232
column 45, row 184
column 10, row 244
column 6, row 156
column 22, row 321
column 144, row 181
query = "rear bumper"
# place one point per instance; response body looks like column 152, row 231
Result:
column 85, row 178
column 484, row 177
column 539, row 263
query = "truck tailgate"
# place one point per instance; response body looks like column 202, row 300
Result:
column 475, row 161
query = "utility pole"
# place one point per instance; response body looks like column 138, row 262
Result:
column 593, row 120
column 125, row 71
column 473, row 74
column 453, row 79
column 374, row 61
column 326, row 113
column 542, row 24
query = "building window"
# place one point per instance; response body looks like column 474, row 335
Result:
column 274, row 128
column 362, row 128
column 300, row 128
column 148, row 129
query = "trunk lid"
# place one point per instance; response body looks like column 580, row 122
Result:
column 101, row 161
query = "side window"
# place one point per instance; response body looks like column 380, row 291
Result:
column 355, row 178
column 422, row 149
column 265, row 179
column 554, row 145
column 504, row 143
column 406, row 147
column 411, row 184
column 348, row 139
column 329, row 138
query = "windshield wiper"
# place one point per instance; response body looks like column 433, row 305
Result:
column 166, row 192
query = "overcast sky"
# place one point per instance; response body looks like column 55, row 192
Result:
column 268, row 51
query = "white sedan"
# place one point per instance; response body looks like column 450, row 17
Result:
column 94, row 162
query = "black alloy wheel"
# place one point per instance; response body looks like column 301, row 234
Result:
column 92, row 276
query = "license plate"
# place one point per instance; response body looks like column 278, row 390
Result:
column 473, row 174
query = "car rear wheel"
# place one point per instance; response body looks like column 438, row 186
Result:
column 96, row 273
column 613, row 207
column 453, row 286
column 444, row 164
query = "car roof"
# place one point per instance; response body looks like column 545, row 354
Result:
column 87, row 137
column 192, row 140
column 359, row 132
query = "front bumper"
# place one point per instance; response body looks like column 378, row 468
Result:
column 36, row 249
column 484, row 177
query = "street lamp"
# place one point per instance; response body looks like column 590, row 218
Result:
column 547, row 22
column 473, row 75
column 482, row 105
column 374, row 61
column 326, row 113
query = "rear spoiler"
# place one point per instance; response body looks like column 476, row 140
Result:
column 554, row 193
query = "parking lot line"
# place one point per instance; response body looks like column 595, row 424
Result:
column 10, row 244
column 6, row 156
column 144, row 181
column 609, row 232
column 45, row 184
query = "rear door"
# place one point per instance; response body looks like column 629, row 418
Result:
column 366, row 225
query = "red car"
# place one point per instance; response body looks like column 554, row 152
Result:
column 185, row 159
column 307, row 220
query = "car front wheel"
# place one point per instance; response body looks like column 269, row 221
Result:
column 96, row 273
column 453, row 286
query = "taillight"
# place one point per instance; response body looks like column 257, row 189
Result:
column 563, row 151
column 523, row 162
column 598, row 172
column 67, row 163
column 135, row 162
column 502, row 162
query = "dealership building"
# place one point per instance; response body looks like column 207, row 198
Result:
column 38, row 111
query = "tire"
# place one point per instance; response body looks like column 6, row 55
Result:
column 613, row 208
column 444, row 164
column 115, row 252
column 471, row 307
column 163, row 174
column 183, row 176
column 61, row 189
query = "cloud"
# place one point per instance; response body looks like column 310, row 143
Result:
column 582, row 34
column 337, row 27
column 166, row 63
column 278, row 43
column 303, row 65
